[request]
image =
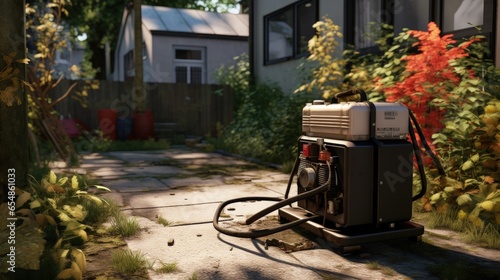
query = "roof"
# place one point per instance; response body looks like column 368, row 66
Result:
column 166, row 19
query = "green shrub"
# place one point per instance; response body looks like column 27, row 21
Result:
column 58, row 209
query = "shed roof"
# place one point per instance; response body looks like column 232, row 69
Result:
column 158, row 18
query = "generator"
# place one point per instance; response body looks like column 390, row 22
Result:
column 354, row 175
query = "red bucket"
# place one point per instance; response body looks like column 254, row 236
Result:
column 143, row 125
column 107, row 123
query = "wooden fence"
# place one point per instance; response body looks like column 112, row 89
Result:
column 188, row 109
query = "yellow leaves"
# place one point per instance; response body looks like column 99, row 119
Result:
column 79, row 258
column 490, row 109
column 75, row 69
column 488, row 205
column 35, row 204
column 464, row 199
column 76, row 212
column 9, row 97
column 462, row 215
column 467, row 165
column 74, row 182
column 52, row 177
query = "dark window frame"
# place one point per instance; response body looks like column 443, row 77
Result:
column 295, row 42
column 128, row 64
column 436, row 8
column 488, row 28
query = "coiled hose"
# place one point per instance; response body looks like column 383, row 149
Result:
column 265, row 211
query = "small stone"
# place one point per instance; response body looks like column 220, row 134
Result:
column 199, row 235
column 231, row 209
column 170, row 242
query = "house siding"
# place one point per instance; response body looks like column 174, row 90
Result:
column 218, row 52
column 285, row 74
column 220, row 45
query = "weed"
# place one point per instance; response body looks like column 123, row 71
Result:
column 127, row 261
column 124, row 226
column 162, row 221
column 167, row 267
column 287, row 166
column 487, row 236
column 373, row 265
column 194, row 276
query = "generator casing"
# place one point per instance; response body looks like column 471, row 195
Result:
column 351, row 120
column 371, row 182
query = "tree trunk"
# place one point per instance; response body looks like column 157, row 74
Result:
column 13, row 119
column 138, row 64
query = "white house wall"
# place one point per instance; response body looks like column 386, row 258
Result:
column 126, row 43
column 285, row 74
column 218, row 52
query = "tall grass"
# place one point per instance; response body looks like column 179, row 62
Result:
column 487, row 236
column 128, row 262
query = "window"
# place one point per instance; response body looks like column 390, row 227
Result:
column 460, row 17
column 462, row 14
column 128, row 62
column 63, row 56
column 189, row 64
column 288, row 30
column 365, row 18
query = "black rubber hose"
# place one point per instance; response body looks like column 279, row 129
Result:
column 291, row 200
column 256, row 233
column 292, row 174
column 418, row 156
column 426, row 145
column 265, row 211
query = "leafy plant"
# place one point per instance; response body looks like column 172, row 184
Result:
column 57, row 205
column 45, row 30
column 429, row 77
column 327, row 77
column 237, row 77
column 10, row 73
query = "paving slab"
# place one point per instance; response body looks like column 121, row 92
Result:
column 193, row 181
column 134, row 184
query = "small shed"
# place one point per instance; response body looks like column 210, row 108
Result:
column 180, row 45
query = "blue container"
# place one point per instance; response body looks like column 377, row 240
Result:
column 123, row 128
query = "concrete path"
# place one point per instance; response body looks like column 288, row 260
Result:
column 186, row 186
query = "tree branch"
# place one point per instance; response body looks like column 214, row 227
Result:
column 71, row 87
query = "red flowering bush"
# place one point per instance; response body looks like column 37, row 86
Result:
column 429, row 77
